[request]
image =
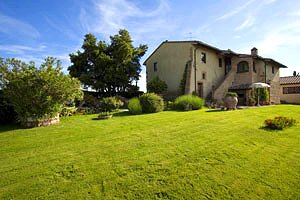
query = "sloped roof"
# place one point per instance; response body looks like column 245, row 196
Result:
column 196, row 42
column 290, row 80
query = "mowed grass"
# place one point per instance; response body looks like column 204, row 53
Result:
column 168, row 155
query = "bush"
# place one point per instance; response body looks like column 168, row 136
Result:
column 279, row 123
column 188, row 102
column 109, row 104
column 151, row 103
column 68, row 111
column 104, row 115
column 134, row 106
column 37, row 92
column 7, row 113
column 157, row 86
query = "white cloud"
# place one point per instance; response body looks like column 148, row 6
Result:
column 247, row 23
column 106, row 17
column 236, row 10
column 21, row 49
column 14, row 26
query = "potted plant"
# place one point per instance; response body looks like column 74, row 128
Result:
column 231, row 100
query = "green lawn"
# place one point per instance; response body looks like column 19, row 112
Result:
column 168, row 155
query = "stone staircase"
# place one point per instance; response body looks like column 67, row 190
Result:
column 223, row 86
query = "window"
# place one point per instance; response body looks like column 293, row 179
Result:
column 220, row 62
column 273, row 70
column 254, row 67
column 243, row 66
column 203, row 57
column 291, row 90
column 155, row 66
column 204, row 75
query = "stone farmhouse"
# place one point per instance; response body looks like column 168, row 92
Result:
column 211, row 72
column 290, row 89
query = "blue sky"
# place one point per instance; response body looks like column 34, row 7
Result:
column 32, row 30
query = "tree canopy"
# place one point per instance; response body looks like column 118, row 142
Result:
column 37, row 92
column 108, row 68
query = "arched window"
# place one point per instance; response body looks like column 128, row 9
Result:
column 243, row 66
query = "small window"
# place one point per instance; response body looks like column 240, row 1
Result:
column 204, row 75
column 220, row 62
column 155, row 66
column 254, row 67
column 203, row 57
column 273, row 70
column 243, row 66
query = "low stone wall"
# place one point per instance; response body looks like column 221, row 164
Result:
column 31, row 122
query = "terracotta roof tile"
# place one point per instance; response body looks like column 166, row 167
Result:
column 290, row 80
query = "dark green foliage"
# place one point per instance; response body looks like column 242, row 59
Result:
column 231, row 94
column 188, row 102
column 134, row 106
column 279, row 123
column 108, row 68
column 157, row 86
column 151, row 103
column 109, row 104
column 183, row 80
column 37, row 92
column 7, row 113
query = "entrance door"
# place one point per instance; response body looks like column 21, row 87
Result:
column 227, row 65
column 200, row 90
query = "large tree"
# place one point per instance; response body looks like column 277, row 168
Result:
column 108, row 68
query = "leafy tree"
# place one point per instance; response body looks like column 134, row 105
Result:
column 108, row 68
column 37, row 92
column 157, row 86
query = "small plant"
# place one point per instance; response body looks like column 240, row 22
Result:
column 134, row 106
column 188, row 102
column 151, row 103
column 110, row 104
column 104, row 115
column 231, row 94
column 279, row 123
column 68, row 111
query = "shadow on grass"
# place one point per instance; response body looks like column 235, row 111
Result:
column 216, row 110
column 269, row 129
column 9, row 127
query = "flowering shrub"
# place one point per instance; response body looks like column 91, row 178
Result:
column 279, row 122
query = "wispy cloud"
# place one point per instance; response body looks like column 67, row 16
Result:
column 247, row 23
column 284, row 35
column 14, row 26
column 108, row 16
column 236, row 10
column 21, row 49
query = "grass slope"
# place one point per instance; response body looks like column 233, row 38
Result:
column 169, row 155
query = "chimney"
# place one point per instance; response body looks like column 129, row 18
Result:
column 254, row 51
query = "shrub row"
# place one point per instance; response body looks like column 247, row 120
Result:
column 146, row 103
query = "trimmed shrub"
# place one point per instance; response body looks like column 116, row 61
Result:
column 134, row 106
column 188, row 102
column 279, row 123
column 110, row 104
column 151, row 103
